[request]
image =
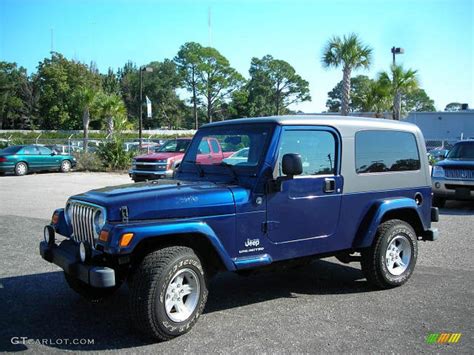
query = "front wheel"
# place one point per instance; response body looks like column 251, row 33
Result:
column 391, row 259
column 65, row 166
column 168, row 292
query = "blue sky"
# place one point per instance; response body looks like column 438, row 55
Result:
column 438, row 35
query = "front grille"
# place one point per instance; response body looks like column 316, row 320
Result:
column 150, row 166
column 83, row 222
column 460, row 174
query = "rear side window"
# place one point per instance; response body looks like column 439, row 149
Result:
column 385, row 151
column 215, row 146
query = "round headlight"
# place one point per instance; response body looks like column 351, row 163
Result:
column 99, row 221
column 48, row 235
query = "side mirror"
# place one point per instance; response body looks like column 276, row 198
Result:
column 291, row 166
column 54, row 152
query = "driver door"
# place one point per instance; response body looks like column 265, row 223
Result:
column 307, row 207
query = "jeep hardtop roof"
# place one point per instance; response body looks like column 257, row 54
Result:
column 348, row 122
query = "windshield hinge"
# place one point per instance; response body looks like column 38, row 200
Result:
column 124, row 214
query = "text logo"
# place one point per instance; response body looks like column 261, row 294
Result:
column 443, row 338
column 252, row 243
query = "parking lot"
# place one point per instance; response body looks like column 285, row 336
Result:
column 326, row 306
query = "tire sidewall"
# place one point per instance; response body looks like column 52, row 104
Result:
column 165, row 323
column 399, row 229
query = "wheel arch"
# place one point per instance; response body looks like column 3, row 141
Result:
column 404, row 209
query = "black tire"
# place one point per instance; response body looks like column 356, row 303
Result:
column 374, row 261
column 439, row 202
column 66, row 166
column 149, row 285
column 21, row 169
column 90, row 293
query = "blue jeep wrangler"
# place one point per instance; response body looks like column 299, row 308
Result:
column 296, row 188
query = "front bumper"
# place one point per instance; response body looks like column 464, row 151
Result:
column 150, row 175
column 452, row 189
column 65, row 255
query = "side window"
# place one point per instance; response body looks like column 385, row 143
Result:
column 204, row 147
column 215, row 146
column 44, row 151
column 385, row 151
column 29, row 150
column 317, row 150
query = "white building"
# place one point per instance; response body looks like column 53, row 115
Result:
column 444, row 125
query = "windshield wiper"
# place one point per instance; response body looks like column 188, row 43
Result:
column 231, row 169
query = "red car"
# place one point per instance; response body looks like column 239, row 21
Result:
column 164, row 162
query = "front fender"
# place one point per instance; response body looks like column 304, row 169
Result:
column 369, row 224
column 165, row 228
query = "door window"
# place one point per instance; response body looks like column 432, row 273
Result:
column 30, row 150
column 44, row 151
column 204, row 147
column 317, row 150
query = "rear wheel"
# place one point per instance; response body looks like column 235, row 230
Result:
column 439, row 202
column 65, row 166
column 391, row 259
column 21, row 169
column 90, row 293
column 168, row 292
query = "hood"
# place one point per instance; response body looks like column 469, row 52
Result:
column 456, row 164
column 158, row 156
column 163, row 199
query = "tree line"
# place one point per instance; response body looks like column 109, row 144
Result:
column 66, row 94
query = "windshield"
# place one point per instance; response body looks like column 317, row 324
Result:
column 241, row 146
column 11, row 150
column 174, row 146
column 463, row 151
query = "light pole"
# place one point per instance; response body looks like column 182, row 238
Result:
column 395, row 51
column 397, row 103
column 140, row 122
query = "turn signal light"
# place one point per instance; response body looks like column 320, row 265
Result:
column 126, row 239
column 55, row 218
column 104, row 236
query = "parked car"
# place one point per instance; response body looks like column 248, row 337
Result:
column 453, row 177
column 164, row 162
column 298, row 197
column 239, row 157
column 22, row 159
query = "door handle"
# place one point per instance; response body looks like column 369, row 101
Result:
column 329, row 185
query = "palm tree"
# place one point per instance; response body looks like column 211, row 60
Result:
column 400, row 82
column 86, row 98
column 377, row 98
column 112, row 108
column 350, row 53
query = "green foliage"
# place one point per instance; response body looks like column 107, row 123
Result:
column 113, row 155
column 417, row 100
column 453, row 106
column 216, row 80
column 349, row 53
column 273, row 86
column 59, row 81
column 87, row 161
column 18, row 97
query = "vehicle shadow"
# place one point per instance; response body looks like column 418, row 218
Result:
column 457, row 208
column 41, row 307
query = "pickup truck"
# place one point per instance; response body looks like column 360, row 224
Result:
column 164, row 162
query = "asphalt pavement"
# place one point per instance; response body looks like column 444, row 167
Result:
column 324, row 307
